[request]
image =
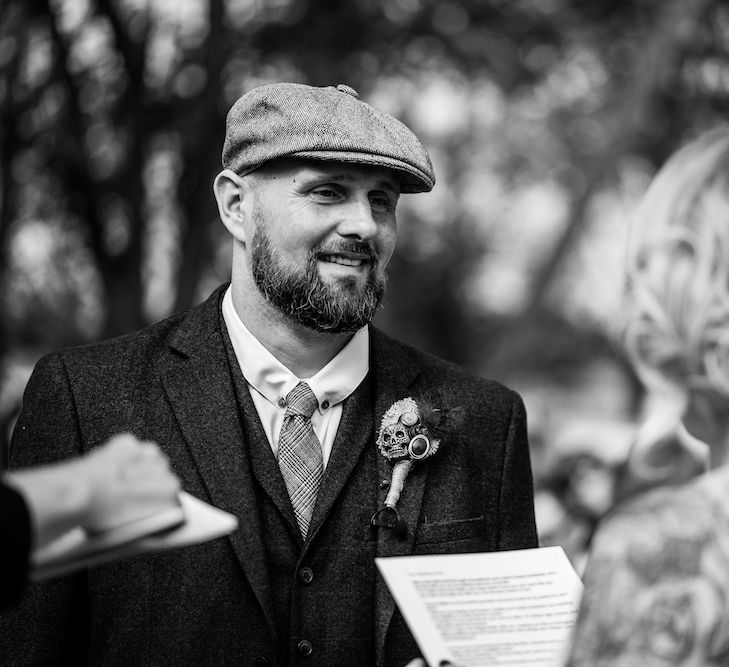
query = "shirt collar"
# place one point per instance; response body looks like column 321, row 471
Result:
column 267, row 375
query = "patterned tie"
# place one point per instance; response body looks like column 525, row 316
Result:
column 299, row 454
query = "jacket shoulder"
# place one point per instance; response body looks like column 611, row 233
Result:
column 139, row 354
column 177, row 330
column 154, row 336
column 438, row 372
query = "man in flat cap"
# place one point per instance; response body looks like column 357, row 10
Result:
column 277, row 401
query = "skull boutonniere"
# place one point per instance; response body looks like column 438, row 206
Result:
column 410, row 431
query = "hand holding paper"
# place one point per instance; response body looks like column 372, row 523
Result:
column 123, row 480
column 119, row 500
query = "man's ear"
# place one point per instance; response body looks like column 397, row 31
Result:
column 229, row 189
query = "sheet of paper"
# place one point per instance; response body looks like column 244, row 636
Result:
column 490, row 609
column 193, row 522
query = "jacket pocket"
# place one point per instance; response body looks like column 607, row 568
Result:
column 450, row 531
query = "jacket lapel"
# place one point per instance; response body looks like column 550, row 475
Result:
column 263, row 463
column 391, row 375
column 202, row 398
column 395, row 372
column 354, row 434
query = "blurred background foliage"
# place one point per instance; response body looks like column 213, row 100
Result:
column 545, row 120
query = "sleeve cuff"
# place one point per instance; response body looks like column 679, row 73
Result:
column 15, row 529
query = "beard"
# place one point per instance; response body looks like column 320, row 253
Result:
column 302, row 295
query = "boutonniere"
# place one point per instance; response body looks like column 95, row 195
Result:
column 410, row 431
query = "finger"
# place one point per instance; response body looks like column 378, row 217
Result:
column 152, row 450
column 123, row 440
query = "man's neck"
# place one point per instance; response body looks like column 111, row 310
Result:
column 302, row 350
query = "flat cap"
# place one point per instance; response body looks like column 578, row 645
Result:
column 293, row 120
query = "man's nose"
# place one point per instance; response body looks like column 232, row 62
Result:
column 358, row 220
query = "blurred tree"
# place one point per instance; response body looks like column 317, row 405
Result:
column 91, row 114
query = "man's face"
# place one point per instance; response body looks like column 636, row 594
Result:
column 323, row 235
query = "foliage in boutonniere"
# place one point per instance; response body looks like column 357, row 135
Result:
column 410, row 431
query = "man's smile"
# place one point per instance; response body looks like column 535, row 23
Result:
column 345, row 260
column 353, row 255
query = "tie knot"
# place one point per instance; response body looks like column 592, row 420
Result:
column 301, row 401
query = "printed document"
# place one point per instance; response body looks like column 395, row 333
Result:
column 490, row 609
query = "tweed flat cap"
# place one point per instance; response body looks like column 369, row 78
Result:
column 332, row 123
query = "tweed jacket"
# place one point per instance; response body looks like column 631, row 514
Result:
column 212, row 604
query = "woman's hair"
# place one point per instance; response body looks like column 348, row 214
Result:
column 678, row 270
column 677, row 304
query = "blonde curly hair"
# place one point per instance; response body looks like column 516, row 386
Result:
column 677, row 298
column 678, row 270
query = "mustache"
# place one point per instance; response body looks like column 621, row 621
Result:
column 358, row 247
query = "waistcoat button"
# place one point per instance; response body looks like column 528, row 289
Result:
column 306, row 575
column 305, row 648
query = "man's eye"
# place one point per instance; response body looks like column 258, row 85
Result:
column 381, row 203
column 326, row 193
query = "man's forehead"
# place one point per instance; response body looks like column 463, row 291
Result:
column 339, row 172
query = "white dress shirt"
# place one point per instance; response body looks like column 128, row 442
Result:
column 269, row 381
